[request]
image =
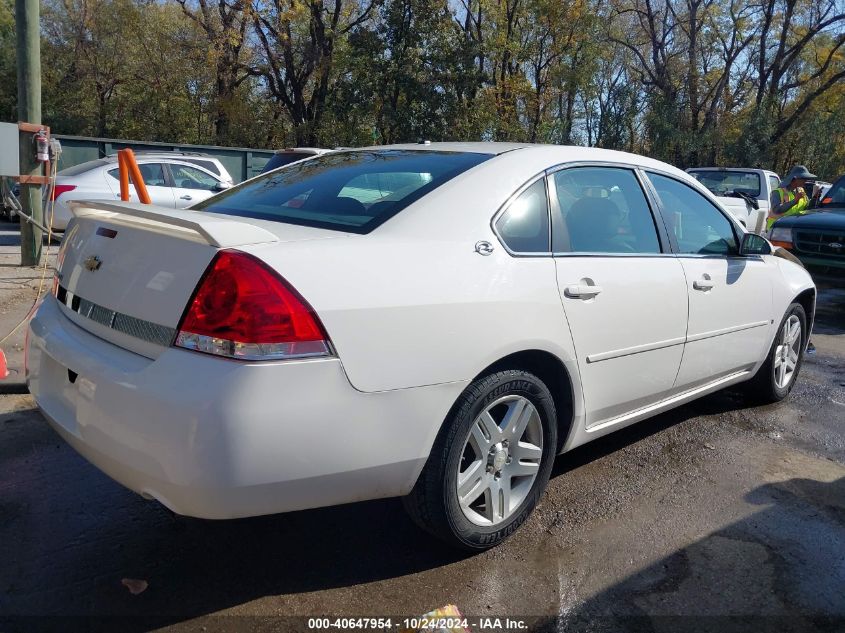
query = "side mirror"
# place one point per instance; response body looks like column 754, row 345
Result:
column 753, row 244
column 222, row 186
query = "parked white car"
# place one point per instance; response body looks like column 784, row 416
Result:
column 173, row 180
column 745, row 192
column 436, row 322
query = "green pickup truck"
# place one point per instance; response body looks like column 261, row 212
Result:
column 818, row 237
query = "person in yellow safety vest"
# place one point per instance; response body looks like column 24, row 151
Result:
column 790, row 198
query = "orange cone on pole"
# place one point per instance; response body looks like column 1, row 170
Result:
column 127, row 163
column 124, row 175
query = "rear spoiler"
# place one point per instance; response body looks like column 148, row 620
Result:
column 214, row 230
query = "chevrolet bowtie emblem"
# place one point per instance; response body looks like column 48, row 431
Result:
column 93, row 263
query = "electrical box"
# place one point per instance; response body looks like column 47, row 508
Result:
column 9, row 150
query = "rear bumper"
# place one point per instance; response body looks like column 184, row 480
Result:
column 217, row 439
column 61, row 214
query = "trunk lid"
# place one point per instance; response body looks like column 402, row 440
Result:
column 126, row 271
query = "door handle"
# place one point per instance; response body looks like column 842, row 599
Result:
column 581, row 290
column 186, row 197
column 702, row 284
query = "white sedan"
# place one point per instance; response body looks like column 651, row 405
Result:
column 173, row 180
column 430, row 321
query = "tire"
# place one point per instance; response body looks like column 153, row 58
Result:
column 773, row 382
column 504, row 465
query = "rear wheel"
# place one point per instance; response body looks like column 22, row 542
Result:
column 490, row 462
column 778, row 374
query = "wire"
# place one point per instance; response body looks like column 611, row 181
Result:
column 52, row 199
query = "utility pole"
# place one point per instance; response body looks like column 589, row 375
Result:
column 29, row 110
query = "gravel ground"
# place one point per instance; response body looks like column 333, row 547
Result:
column 715, row 516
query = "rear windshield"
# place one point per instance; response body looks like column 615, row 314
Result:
column 835, row 197
column 283, row 158
column 721, row 183
column 81, row 168
column 347, row 191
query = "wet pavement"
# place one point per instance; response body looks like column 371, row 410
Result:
column 715, row 516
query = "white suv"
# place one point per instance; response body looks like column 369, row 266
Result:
column 173, row 180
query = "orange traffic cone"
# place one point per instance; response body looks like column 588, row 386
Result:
column 4, row 370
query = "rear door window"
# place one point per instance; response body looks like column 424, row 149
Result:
column 152, row 173
column 602, row 210
column 347, row 191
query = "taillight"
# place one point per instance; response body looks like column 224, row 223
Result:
column 60, row 189
column 243, row 309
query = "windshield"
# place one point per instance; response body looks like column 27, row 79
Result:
column 835, row 197
column 347, row 191
column 721, row 183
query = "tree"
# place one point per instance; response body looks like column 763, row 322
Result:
column 224, row 24
column 298, row 40
column 798, row 59
column 8, row 73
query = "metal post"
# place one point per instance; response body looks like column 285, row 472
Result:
column 29, row 110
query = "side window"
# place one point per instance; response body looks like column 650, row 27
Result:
column 152, row 173
column 699, row 227
column 209, row 165
column 774, row 182
column 524, row 226
column 186, row 177
column 602, row 210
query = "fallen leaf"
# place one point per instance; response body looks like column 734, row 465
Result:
column 134, row 585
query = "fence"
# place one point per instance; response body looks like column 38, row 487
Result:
column 241, row 162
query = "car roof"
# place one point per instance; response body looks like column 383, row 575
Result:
column 83, row 169
column 553, row 154
column 472, row 147
column 767, row 171
column 168, row 153
column 174, row 156
column 303, row 150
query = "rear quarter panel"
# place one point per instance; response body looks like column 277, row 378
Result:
column 413, row 304
column 399, row 318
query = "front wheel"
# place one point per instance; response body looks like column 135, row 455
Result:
column 778, row 374
column 490, row 462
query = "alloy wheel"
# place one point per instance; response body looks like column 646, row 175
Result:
column 500, row 460
column 787, row 352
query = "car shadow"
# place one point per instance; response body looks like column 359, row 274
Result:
column 68, row 535
column 91, row 533
column 727, row 400
column 830, row 310
column 778, row 569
